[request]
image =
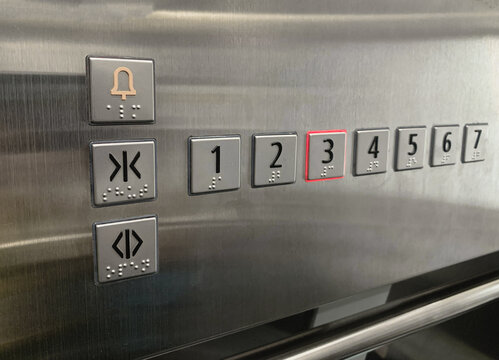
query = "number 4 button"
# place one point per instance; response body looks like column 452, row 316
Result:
column 371, row 154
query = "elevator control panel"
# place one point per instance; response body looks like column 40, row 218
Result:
column 371, row 151
column 274, row 159
column 214, row 163
column 121, row 90
column 325, row 155
column 410, row 148
column 475, row 137
column 123, row 171
column 444, row 145
column 126, row 248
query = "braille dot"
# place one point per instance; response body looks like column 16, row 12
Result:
column 147, row 265
column 109, row 189
column 147, row 260
column 273, row 172
column 120, row 265
column 134, row 116
column 122, row 111
column 134, row 107
column 108, row 268
column 122, row 193
column 141, row 191
column 104, row 194
column 143, row 261
column 143, row 269
column 141, row 195
column 120, row 274
column 136, row 266
column 219, row 178
column 138, row 106
column 145, row 190
column 129, row 196
column 109, row 276
column 124, row 264
column 145, row 185
column 131, row 263
column 121, row 116
column 108, row 107
column 121, row 106
column 213, row 179
column 209, row 187
column 134, row 196
column 117, row 193
column 104, row 199
column 270, row 180
column 129, row 187
column 117, row 188
column 213, row 186
column 113, row 271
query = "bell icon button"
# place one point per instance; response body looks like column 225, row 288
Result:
column 121, row 90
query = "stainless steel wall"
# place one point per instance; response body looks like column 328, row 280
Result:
column 235, row 259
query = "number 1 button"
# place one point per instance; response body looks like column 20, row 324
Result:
column 371, row 153
column 444, row 145
column 214, row 163
column 274, row 159
column 325, row 158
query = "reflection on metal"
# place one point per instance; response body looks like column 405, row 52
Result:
column 395, row 327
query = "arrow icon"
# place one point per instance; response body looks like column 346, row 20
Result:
column 127, row 244
column 118, row 167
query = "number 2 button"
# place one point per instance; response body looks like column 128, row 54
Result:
column 444, row 145
column 371, row 151
column 325, row 158
column 214, row 163
column 274, row 159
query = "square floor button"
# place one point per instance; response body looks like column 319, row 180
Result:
column 214, row 163
column 126, row 248
column 371, row 154
column 121, row 90
column 123, row 171
column 325, row 157
column 475, row 139
column 410, row 148
column 274, row 159
column 444, row 145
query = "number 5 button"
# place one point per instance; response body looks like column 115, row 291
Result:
column 371, row 154
column 325, row 158
column 214, row 163
column 410, row 148
column 444, row 145
column 274, row 159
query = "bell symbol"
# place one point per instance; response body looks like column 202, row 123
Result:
column 131, row 91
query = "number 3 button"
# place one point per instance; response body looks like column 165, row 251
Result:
column 325, row 155
column 371, row 153
column 214, row 163
column 274, row 159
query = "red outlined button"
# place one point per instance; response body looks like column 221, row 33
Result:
column 325, row 155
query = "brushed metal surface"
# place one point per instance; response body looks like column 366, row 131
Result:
column 234, row 259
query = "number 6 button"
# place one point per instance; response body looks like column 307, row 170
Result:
column 325, row 158
column 444, row 145
column 214, row 163
column 371, row 153
column 274, row 159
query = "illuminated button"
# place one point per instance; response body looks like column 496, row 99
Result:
column 121, row 90
column 214, row 163
column 410, row 148
column 126, row 248
column 475, row 140
column 325, row 157
column 444, row 145
column 123, row 171
column 274, row 159
column 371, row 153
